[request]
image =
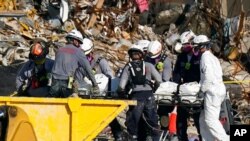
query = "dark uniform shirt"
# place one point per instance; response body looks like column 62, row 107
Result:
column 187, row 67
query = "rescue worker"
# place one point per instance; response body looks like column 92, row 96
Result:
column 33, row 77
column 164, row 66
column 138, row 73
column 100, row 65
column 214, row 91
column 157, row 57
column 67, row 60
column 144, row 44
column 187, row 68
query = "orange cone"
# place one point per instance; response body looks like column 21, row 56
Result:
column 172, row 121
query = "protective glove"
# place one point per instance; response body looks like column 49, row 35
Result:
column 200, row 94
column 121, row 93
column 95, row 90
column 156, row 86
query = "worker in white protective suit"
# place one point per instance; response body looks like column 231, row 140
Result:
column 213, row 90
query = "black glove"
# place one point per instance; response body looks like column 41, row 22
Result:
column 156, row 86
column 200, row 94
column 121, row 93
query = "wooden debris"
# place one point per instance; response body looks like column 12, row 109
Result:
column 12, row 13
column 93, row 16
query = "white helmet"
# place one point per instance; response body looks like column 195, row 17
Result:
column 143, row 43
column 154, row 49
column 87, row 46
column 75, row 34
column 135, row 47
column 178, row 47
column 201, row 40
column 187, row 36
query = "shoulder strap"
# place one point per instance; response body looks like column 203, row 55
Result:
column 132, row 69
column 98, row 60
column 163, row 57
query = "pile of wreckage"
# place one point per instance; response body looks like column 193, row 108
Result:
column 114, row 26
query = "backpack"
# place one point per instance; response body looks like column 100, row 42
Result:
column 137, row 72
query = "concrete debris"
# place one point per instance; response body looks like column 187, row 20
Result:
column 114, row 27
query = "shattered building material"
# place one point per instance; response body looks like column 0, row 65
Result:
column 115, row 28
column 229, row 8
column 12, row 13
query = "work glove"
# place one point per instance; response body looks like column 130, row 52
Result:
column 156, row 86
column 95, row 90
column 200, row 94
column 121, row 93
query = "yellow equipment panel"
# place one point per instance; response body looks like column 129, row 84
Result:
column 57, row 119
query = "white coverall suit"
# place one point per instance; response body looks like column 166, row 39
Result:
column 212, row 85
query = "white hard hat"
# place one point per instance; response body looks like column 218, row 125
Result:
column 201, row 39
column 178, row 47
column 154, row 49
column 87, row 46
column 187, row 36
column 75, row 34
column 135, row 47
column 143, row 43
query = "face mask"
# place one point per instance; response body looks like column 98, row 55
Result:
column 187, row 48
column 196, row 53
column 89, row 58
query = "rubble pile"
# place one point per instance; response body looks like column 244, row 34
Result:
column 114, row 28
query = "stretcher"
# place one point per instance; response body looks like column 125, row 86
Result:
column 173, row 99
column 194, row 105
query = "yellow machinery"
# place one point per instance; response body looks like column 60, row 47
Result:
column 55, row 119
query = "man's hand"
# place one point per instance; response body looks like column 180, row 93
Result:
column 95, row 90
